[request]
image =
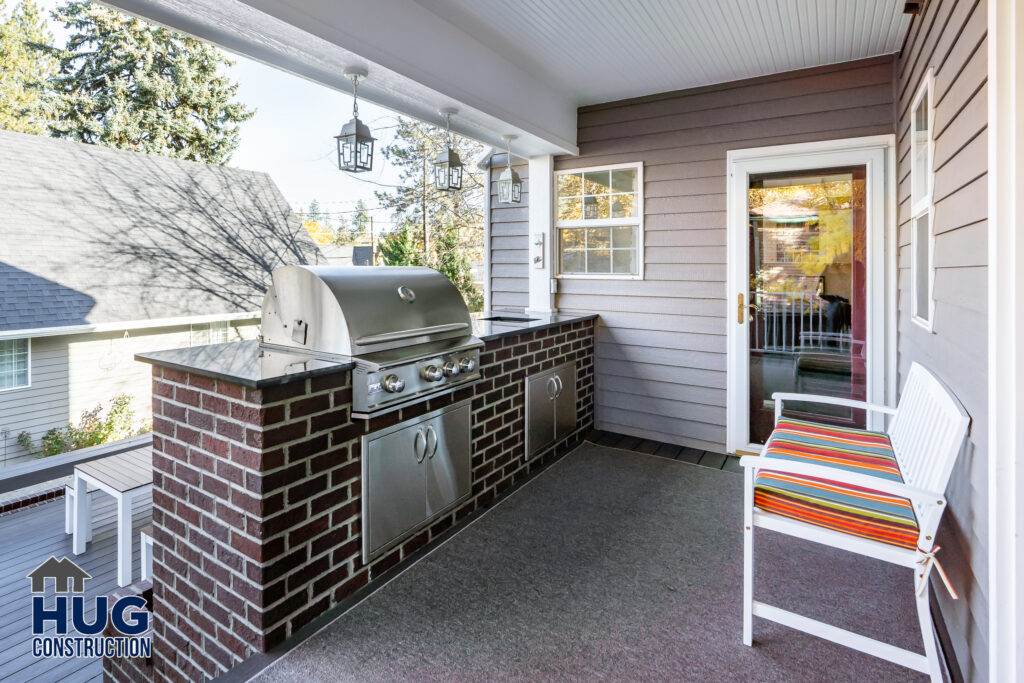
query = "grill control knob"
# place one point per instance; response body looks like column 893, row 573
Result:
column 432, row 373
column 393, row 384
column 451, row 368
column 467, row 364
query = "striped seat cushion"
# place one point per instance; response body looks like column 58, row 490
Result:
column 829, row 504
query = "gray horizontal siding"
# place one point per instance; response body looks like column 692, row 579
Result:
column 950, row 37
column 43, row 404
column 510, row 276
column 661, row 356
column 76, row 373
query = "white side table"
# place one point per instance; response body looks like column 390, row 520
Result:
column 124, row 476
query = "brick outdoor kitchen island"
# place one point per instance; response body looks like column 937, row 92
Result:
column 257, row 515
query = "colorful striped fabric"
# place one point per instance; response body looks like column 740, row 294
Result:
column 829, row 504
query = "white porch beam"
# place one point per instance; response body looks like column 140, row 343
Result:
column 418, row 62
column 541, row 216
column 1005, row 338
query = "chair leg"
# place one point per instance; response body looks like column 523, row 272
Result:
column 147, row 557
column 69, row 504
column 124, row 540
column 748, row 556
column 931, row 650
column 81, row 519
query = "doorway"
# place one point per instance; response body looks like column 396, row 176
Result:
column 806, row 284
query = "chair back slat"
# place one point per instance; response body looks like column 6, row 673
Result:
column 927, row 431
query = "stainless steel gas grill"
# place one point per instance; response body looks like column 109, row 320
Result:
column 406, row 328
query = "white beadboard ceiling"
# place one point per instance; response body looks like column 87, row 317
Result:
column 524, row 66
column 604, row 50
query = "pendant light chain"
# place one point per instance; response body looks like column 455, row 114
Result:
column 355, row 97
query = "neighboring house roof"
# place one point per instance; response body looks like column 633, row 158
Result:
column 92, row 235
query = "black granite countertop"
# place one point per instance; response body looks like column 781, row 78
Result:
column 251, row 365
column 246, row 363
column 512, row 324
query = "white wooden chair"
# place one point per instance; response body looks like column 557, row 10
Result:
column 926, row 431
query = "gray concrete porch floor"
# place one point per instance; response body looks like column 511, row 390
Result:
column 613, row 565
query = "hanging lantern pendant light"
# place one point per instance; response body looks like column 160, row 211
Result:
column 510, row 187
column 447, row 165
column 355, row 142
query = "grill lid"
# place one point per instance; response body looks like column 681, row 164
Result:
column 353, row 311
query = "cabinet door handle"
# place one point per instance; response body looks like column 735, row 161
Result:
column 551, row 386
column 416, row 445
column 430, row 450
column 558, row 385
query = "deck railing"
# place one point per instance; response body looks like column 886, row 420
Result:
column 789, row 322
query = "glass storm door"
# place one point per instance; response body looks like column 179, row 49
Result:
column 807, row 305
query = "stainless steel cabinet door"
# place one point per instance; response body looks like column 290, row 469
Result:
column 565, row 401
column 540, row 412
column 448, row 459
column 393, row 494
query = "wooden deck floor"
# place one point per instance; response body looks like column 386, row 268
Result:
column 27, row 538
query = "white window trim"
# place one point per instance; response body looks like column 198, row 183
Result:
column 637, row 221
column 924, row 205
column 28, row 383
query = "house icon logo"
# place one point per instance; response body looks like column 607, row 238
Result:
column 63, row 572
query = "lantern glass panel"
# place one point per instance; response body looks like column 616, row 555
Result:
column 505, row 191
column 517, row 192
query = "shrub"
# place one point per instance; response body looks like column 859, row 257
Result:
column 93, row 428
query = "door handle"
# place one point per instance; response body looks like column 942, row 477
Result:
column 558, row 386
column 430, row 450
column 552, row 386
column 739, row 309
column 416, row 445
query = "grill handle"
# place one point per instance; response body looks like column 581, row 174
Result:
column 409, row 334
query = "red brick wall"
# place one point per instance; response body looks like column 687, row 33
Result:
column 256, row 501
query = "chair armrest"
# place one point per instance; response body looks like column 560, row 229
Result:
column 867, row 481
column 780, row 397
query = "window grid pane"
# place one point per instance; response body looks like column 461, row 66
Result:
column 13, row 363
column 598, row 250
column 922, row 267
column 599, row 195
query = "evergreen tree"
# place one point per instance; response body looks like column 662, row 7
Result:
column 342, row 230
column 450, row 222
column 128, row 84
column 453, row 264
column 360, row 221
column 399, row 248
column 22, row 68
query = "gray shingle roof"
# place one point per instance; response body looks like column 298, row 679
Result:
column 90, row 234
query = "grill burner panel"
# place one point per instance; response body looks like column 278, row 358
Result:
column 406, row 328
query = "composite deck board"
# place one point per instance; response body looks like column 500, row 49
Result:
column 27, row 538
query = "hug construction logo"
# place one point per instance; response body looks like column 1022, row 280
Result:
column 127, row 615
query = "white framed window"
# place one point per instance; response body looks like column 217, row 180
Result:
column 922, row 207
column 209, row 333
column 15, row 363
column 599, row 222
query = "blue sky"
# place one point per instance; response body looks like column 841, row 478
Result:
column 291, row 137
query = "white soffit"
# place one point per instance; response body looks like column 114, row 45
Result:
column 606, row 50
